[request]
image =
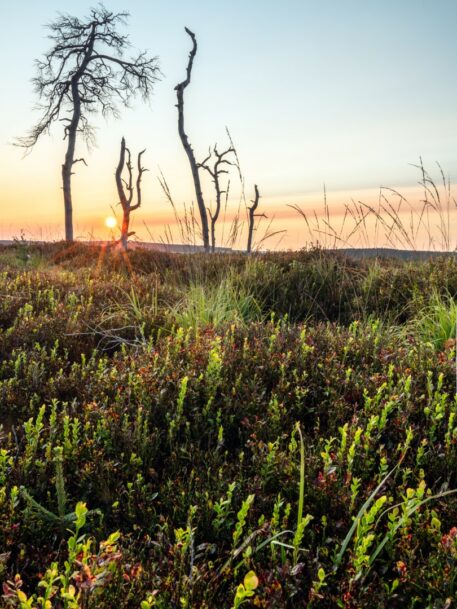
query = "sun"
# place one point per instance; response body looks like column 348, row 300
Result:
column 111, row 222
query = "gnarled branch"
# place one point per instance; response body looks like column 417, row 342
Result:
column 126, row 190
column 216, row 171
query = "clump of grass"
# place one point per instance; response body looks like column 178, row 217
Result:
column 216, row 305
column 20, row 258
column 436, row 323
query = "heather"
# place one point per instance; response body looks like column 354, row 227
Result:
column 216, row 430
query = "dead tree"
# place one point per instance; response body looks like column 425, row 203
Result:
column 85, row 73
column 187, row 147
column 125, row 189
column 251, row 218
column 216, row 171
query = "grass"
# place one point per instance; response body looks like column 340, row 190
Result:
column 436, row 322
column 212, row 431
column 216, row 305
column 394, row 222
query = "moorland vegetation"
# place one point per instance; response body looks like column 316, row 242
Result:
column 210, row 431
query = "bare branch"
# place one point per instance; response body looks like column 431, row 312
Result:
column 141, row 170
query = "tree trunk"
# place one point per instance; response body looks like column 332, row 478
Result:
column 215, row 217
column 252, row 215
column 71, row 134
column 250, row 233
column 213, row 234
column 69, row 161
column 125, row 203
column 66, row 179
column 125, row 228
column 196, row 178
column 188, row 148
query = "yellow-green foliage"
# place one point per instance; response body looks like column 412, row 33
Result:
column 275, row 432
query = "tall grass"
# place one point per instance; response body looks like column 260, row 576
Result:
column 394, row 221
column 205, row 304
column 436, row 322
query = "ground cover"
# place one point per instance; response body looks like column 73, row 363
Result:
column 207, row 431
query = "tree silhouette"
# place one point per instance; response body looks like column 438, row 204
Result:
column 186, row 145
column 251, row 217
column 125, row 189
column 85, row 73
column 216, row 171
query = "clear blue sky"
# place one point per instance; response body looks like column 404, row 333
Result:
column 347, row 93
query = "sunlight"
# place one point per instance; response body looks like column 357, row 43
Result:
column 111, row 222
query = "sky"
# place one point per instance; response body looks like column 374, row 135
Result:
column 347, row 94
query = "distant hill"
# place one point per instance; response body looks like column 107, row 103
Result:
column 175, row 248
column 386, row 252
column 357, row 253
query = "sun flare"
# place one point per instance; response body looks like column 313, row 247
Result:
column 111, row 222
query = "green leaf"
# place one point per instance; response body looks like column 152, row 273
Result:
column 80, row 513
column 21, row 596
column 251, row 581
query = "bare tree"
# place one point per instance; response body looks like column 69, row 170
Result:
column 125, row 189
column 85, row 73
column 187, row 147
column 216, row 172
column 251, row 217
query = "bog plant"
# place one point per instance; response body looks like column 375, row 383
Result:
column 246, row 590
column 83, row 573
column 320, row 456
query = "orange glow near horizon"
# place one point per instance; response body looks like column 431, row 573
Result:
column 156, row 222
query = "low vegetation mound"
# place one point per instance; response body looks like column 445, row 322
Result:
column 209, row 431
